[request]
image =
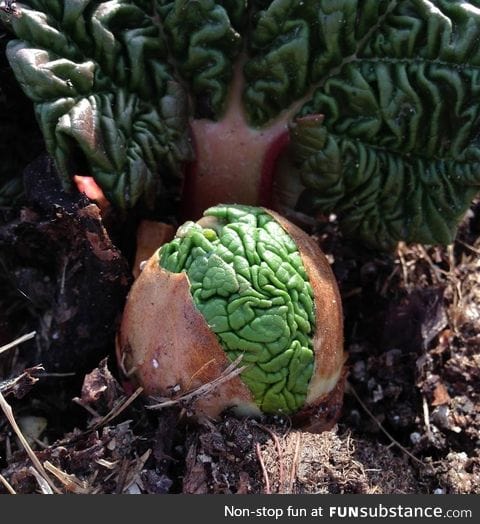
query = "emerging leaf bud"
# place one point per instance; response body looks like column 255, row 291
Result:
column 240, row 285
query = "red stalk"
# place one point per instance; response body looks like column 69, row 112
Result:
column 235, row 163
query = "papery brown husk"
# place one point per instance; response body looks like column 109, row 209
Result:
column 166, row 345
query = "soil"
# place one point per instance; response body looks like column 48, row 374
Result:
column 411, row 415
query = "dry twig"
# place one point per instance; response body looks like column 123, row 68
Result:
column 18, row 341
column 468, row 246
column 118, row 408
column 263, row 468
column 38, row 467
column 21, row 383
column 426, row 416
column 232, row 370
column 281, row 477
column 45, row 487
column 70, row 482
column 7, row 485
column 380, row 426
column 296, row 456
column 134, row 473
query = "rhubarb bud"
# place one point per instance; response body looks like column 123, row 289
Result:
column 240, row 285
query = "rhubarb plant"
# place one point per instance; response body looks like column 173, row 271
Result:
column 369, row 109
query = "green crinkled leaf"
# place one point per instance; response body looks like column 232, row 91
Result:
column 396, row 81
column 247, row 279
column 397, row 155
column 381, row 196
column 204, row 44
column 105, row 98
column 398, row 84
column 295, row 44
